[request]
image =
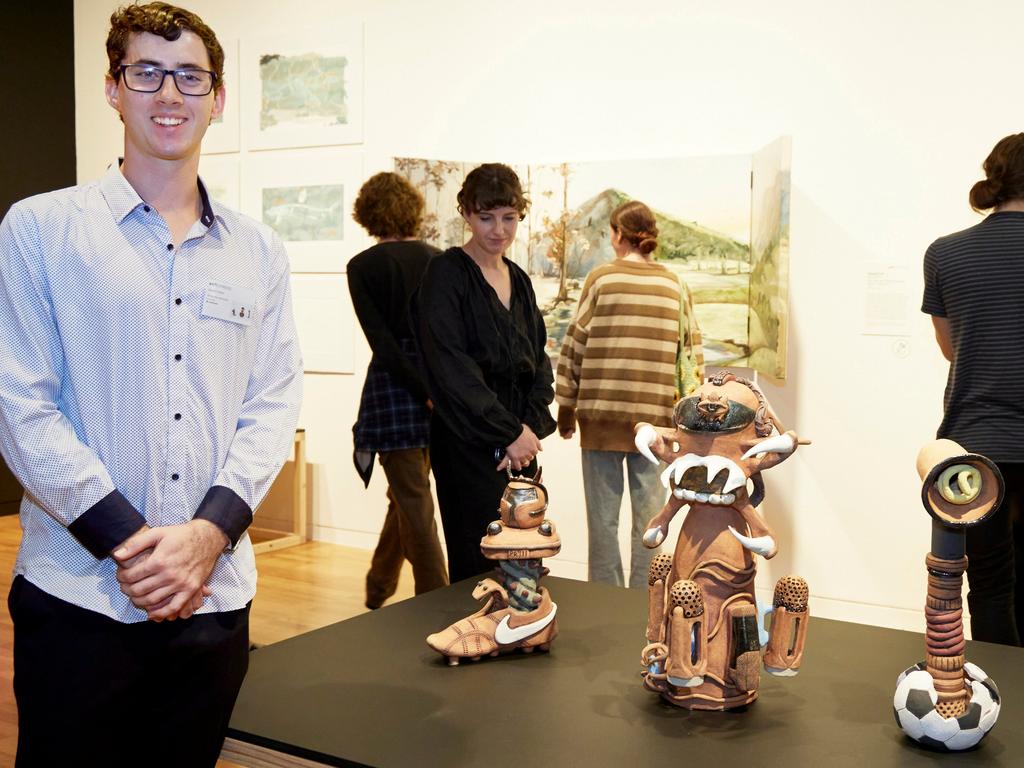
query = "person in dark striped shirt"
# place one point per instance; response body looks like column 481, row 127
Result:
column 974, row 283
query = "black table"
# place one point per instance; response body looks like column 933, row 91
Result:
column 368, row 691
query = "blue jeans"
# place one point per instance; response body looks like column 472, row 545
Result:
column 602, row 489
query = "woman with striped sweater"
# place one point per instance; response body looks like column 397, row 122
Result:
column 618, row 367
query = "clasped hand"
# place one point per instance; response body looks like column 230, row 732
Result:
column 163, row 570
column 522, row 451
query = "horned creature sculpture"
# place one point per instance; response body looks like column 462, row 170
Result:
column 704, row 636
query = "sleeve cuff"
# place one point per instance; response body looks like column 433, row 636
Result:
column 225, row 509
column 107, row 523
column 566, row 418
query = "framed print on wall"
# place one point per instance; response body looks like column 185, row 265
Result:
column 325, row 321
column 222, row 134
column 306, row 197
column 220, row 174
column 304, row 92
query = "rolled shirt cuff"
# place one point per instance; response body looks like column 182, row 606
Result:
column 106, row 524
column 225, row 509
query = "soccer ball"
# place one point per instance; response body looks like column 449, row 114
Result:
column 914, row 707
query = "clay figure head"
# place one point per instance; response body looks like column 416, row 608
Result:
column 523, row 504
column 724, row 404
column 725, row 434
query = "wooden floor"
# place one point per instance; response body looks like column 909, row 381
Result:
column 300, row 589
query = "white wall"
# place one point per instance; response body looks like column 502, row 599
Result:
column 892, row 107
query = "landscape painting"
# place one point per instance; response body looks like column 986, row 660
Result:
column 309, row 91
column 313, row 212
column 304, row 89
column 305, row 195
column 769, row 272
column 704, row 211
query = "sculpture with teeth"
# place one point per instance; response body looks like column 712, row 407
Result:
column 704, row 637
column 517, row 613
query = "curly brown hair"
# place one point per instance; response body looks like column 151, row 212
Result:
column 163, row 19
column 388, row 206
column 490, row 186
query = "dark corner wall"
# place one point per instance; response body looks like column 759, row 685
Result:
column 37, row 132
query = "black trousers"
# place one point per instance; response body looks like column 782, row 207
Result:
column 468, row 491
column 94, row 691
column 995, row 561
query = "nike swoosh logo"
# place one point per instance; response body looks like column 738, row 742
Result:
column 506, row 635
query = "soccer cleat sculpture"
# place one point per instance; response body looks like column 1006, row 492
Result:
column 945, row 702
column 517, row 612
column 703, row 630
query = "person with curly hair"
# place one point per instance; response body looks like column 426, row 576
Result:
column 483, row 341
column 153, row 401
column 394, row 410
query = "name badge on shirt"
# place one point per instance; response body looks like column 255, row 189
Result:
column 233, row 303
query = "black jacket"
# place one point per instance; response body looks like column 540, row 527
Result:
column 487, row 367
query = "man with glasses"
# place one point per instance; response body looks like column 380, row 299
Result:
column 146, row 417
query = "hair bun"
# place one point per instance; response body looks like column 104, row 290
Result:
column 985, row 194
column 1004, row 172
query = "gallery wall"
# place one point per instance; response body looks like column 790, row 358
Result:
column 891, row 109
column 45, row 96
column 37, row 43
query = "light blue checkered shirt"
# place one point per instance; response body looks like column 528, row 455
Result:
column 108, row 381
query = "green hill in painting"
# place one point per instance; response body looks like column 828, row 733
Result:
column 588, row 243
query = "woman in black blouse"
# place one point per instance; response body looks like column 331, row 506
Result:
column 483, row 342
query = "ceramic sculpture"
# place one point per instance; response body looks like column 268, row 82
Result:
column 517, row 613
column 703, row 630
column 945, row 702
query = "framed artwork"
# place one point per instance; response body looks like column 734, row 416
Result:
column 770, row 188
column 304, row 92
column 222, row 135
column 702, row 207
column 325, row 321
column 220, row 174
column 306, row 197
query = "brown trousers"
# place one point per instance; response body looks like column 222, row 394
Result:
column 409, row 531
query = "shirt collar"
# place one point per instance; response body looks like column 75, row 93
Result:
column 122, row 199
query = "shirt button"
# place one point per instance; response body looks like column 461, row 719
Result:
column 174, row 476
column 170, row 246
column 145, row 208
column 177, row 301
column 177, row 357
column 177, row 417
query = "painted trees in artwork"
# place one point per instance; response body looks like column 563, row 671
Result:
column 740, row 293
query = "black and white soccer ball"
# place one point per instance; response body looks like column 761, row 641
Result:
column 914, row 707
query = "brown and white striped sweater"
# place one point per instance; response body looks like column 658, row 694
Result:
column 618, row 361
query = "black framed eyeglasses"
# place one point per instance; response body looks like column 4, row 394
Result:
column 146, row 78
